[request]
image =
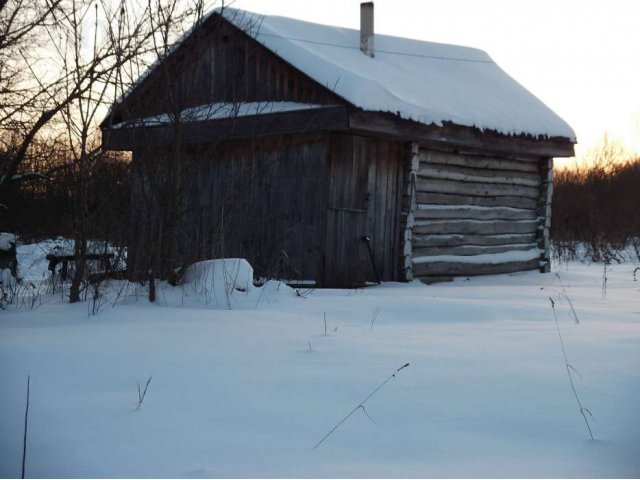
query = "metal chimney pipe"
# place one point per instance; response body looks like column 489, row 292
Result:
column 366, row 28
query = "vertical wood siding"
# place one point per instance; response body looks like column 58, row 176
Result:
column 364, row 197
column 257, row 200
column 222, row 64
column 296, row 207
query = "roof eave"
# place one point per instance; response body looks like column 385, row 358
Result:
column 458, row 137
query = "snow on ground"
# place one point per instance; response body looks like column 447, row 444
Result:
column 248, row 392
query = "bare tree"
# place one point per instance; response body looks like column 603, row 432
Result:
column 94, row 52
column 23, row 111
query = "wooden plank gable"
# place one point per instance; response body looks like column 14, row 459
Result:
column 219, row 63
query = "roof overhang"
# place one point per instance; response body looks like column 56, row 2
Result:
column 335, row 118
column 450, row 136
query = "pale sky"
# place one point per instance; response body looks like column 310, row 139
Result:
column 582, row 58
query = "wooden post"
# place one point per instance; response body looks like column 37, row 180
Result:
column 544, row 214
column 408, row 220
column 65, row 269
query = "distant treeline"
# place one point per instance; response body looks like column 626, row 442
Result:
column 597, row 204
column 39, row 208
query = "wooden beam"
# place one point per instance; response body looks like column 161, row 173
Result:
column 465, row 212
column 458, row 239
column 456, row 137
column 462, row 250
column 479, row 162
column 426, row 198
column 454, row 187
column 299, row 121
column 474, row 227
column 470, row 269
column 482, row 174
column 445, row 172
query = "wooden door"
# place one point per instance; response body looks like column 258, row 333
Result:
column 347, row 262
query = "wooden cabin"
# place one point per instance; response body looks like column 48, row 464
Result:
column 334, row 157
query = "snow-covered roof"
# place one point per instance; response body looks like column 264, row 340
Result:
column 220, row 110
column 427, row 82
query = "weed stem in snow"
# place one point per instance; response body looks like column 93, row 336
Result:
column 374, row 315
column 566, row 297
column 142, row 393
column 360, row 406
column 26, row 421
column 569, row 368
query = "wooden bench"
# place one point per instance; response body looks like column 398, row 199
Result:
column 55, row 259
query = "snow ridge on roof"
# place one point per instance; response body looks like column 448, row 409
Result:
column 219, row 110
column 427, row 82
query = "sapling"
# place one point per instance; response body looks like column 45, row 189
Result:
column 97, row 298
column 142, row 392
column 570, row 368
column 361, row 406
column 123, row 290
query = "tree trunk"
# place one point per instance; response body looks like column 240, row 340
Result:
column 80, row 253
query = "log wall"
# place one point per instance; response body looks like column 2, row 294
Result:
column 479, row 215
